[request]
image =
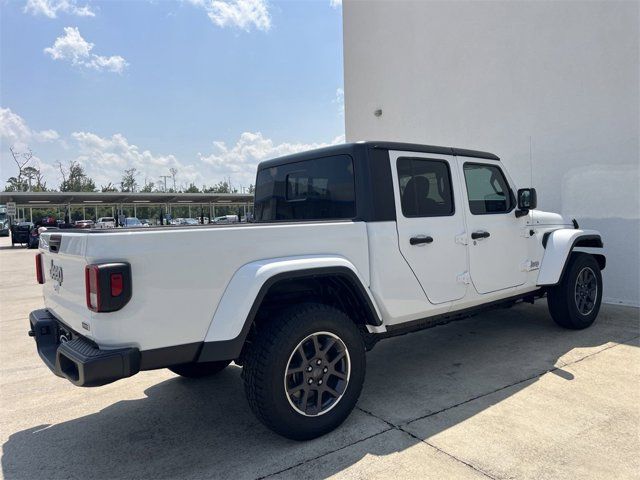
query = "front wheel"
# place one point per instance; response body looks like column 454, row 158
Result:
column 304, row 372
column 575, row 301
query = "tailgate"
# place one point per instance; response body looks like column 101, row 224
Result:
column 64, row 284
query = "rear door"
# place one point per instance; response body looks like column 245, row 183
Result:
column 430, row 222
column 497, row 244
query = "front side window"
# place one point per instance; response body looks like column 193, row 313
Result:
column 425, row 187
column 318, row 189
column 487, row 189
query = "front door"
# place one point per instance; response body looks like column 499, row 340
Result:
column 430, row 222
column 497, row 245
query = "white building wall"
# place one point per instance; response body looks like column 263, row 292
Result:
column 555, row 80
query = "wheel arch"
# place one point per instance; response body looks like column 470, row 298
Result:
column 234, row 316
column 559, row 245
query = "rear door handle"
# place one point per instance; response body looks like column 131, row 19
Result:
column 480, row 234
column 420, row 240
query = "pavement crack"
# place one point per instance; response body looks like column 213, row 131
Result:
column 400, row 429
column 431, row 414
column 450, row 455
column 323, row 455
column 376, row 416
column 616, row 344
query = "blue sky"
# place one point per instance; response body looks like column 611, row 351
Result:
column 208, row 87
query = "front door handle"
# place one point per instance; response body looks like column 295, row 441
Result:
column 420, row 240
column 480, row 234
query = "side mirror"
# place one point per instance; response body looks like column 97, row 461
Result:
column 527, row 200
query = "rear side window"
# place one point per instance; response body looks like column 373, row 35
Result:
column 487, row 189
column 318, row 189
column 425, row 187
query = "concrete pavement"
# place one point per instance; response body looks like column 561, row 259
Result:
column 506, row 394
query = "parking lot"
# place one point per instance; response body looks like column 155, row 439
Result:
column 506, row 394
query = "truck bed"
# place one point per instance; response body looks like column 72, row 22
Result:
column 179, row 273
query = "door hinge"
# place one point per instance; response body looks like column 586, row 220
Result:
column 464, row 278
column 462, row 239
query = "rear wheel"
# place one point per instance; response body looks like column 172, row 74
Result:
column 575, row 302
column 199, row 370
column 304, row 372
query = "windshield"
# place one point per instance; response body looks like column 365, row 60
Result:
column 132, row 221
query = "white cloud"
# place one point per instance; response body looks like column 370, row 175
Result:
column 73, row 48
column 239, row 162
column 50, row 8
column 46, row 135
column 242, row 14
column 106, row 158
column 14, row 130
column 339, row 100
column 335, row 3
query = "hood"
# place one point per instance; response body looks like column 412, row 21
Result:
column 538, row 217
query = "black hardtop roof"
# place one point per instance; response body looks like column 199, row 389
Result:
column 351, row 148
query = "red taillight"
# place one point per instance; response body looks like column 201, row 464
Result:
column 116, row 284
column 108, row 286
column 92, row 285
column 39, row 272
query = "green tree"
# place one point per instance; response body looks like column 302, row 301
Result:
column 109, row 187
column 74, row 179
column 22, row 159
column 34, row 179
column 29, row 179
column 129, row 182
column 192, row 189
column 148, row 187
column 221, row 187
column 14, row 184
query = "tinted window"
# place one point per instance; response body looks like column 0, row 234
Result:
column 318, row 189
column 487, row 189
column 425, row 187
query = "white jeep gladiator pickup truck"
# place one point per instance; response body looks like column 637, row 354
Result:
column 351, row 244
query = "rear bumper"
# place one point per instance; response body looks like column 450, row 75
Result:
column 75, row 358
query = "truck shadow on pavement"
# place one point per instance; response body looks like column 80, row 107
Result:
column 204, row 428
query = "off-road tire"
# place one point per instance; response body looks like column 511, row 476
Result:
column 268, row 359
column 562, row 298
column 199, row 370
